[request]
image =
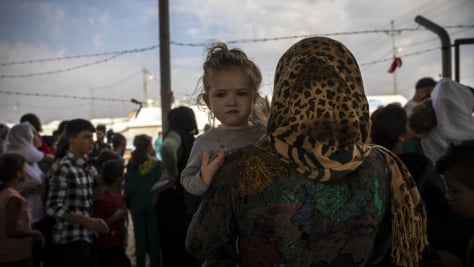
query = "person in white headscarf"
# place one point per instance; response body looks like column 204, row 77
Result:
column 444, row 119
column 3, row 134
column 22, row 139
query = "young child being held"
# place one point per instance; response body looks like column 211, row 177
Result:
column 229, row 90
column 109, row 206
column 16, row 234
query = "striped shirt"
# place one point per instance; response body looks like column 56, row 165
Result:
column 71, row 184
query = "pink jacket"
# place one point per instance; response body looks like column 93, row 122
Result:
column 12, row 248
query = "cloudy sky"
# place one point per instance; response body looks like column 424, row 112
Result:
column 66, row 59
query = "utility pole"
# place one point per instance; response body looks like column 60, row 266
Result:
column 394, row 54
column 165, row 73
column 17, row 108
column 91, row 103
column 145, row 89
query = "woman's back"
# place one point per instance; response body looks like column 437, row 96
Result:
column 294, row 220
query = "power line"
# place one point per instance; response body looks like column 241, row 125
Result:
column 425, row 9
column 116, row 82
column 125, row 100
column 204, row 44
column 122, row 52
column 402, row 21
column 404, row 55
column 66, row 96
column 60, row 70
column 259, row 40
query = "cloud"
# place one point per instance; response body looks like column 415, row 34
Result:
column 97, row 42
column 49, row 29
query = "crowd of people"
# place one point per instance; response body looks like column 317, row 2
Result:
column 312, row 180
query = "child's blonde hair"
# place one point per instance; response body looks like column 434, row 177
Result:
column 219, row 57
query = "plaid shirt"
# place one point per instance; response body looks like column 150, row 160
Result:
column 71, row 184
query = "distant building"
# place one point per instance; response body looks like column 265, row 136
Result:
column 376, row 101
column 148, row 121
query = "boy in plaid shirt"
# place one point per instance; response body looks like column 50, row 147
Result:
column 71, row 185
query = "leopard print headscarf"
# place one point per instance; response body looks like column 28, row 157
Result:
column 319, row 122
column 320, row 116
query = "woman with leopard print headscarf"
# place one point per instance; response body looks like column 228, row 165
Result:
column 312, row 192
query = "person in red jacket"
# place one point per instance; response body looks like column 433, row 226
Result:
column 109, row 206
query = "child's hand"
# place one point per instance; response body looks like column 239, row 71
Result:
column 209, row 168
column 49, row 158
column 97, row 225
column 121, row 212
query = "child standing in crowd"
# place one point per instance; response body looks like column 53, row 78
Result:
column 16, row 235
column 99, row 144
column 24, row 140
column 70, row 199
column 119, row 145
column 457, row 166
column 109, row 206
column 230, row 86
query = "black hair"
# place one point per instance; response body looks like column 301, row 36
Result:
column 141, row 142
column 423, row 117
column 388, row 124
column 33, row 120
column 100, row 127
column 62, row 147
column 62, row 127
column 49, row 140
column 105, row 155
column 111, row 171
column 459, row 157
column 110, row 135
column 182, row 121
column 425, row 82
column 117, row 140
column 74, row 127
column 10, row 164
column 3, row 131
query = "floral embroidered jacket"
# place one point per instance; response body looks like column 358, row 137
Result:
column 284, row 219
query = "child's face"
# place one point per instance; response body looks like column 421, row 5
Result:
column 100, row 135
column 231, row 98
column 21, row 174
column 82, row 143
column 459, row 194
